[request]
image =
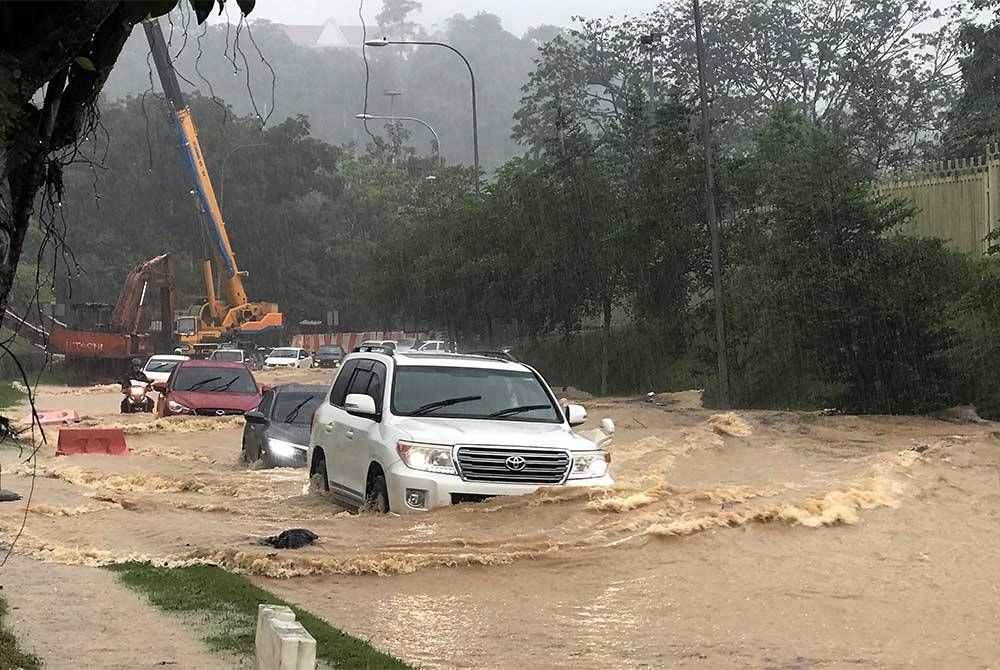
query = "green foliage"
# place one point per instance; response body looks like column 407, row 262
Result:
column 880, row 71
column 85, row 63
column 824, row 308
column 974, row 117
column 228, row 604
column 9, row 396
column 11, row 655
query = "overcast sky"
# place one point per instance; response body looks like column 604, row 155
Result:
column 517, row 15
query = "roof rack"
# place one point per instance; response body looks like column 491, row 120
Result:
column 504, row 355
column 375, row 349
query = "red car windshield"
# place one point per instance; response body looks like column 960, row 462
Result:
column 214, row 380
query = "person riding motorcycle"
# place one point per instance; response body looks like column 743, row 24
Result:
column 134, row 375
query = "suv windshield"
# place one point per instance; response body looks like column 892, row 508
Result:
column 330, row 350
column 234, row 356
column 284, row 353
column 160, row 366
column 295, row 408
column 471, row 393
column 214, row 380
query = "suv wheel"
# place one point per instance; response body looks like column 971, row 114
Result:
column 377, row 496
column 319, row 481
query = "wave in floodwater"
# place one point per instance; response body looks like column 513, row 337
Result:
column 599, row 520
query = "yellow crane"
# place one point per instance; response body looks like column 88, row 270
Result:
column 231, row 315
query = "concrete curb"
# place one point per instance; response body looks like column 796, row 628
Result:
column 282, row 643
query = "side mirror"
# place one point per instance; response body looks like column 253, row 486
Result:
column 160, row 387
column 608, row 426
column 359, row 404
column 264, row 388
column 576, row 414
column 255, row 416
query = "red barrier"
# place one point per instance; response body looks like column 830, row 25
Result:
column 348, row 340
column 55, row 416
column 110, row 441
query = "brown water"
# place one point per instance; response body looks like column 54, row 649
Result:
column 752, row 539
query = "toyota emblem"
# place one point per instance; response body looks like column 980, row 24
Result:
column 516, row 463
column 220, row 412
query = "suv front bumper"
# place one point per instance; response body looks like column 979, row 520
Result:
column 440, row 488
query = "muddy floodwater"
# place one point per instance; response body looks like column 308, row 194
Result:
column 734, row 540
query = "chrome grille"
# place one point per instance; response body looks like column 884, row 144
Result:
column 490, row 464
column 205, row 411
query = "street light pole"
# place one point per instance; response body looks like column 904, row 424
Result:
column 472, row 76
column 713, row 222
column 648, row 41
column 437, row 140
column 225, row 162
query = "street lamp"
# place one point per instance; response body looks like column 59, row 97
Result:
column 437, row 141
column 475, row 119
column 648, row 40
column 225, row 162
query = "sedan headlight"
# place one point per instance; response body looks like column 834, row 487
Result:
column 283, row 448
column 590, row 465
column 177, row 408
column 427, row 457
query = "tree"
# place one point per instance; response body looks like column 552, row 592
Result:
column 393, row 18
column 973, row 121
column 827, row 306
column 880, row 71
column 68, row 49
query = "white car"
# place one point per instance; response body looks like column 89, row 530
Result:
column 435, row 345
column 158, row 368
column 413, row 431
column 288, row 357
column 231, row 355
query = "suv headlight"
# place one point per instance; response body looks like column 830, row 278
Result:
column 427, row 457
column 178, row 408
column 590, row 464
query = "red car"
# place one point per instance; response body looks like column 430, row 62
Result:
column 207, row 388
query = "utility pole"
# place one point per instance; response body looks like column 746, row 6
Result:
column 713, row 221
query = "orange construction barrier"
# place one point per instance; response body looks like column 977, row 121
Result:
column 110, row 441
column 55, row 416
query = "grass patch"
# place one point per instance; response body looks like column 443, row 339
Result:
column 10, row 396
column 228, row 602
column 11, row 656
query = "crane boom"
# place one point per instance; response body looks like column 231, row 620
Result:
column 217, row 318
column 233, row 289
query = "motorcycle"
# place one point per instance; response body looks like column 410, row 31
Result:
column 137, row 398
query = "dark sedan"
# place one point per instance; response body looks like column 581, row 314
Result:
column 277, row 431
column 328, row 356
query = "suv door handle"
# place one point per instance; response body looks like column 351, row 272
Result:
column 329, row 427
column 350, row 434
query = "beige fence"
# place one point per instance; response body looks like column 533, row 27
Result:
column 955, row 200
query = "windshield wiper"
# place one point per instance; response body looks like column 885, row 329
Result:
column 431, row 406
column 519, row 409
column 225, row 387
column 198, row 385
column 290, row 417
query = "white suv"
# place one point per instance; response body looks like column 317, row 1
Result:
column 413, row 431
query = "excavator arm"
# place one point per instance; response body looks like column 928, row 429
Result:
column 156, row 273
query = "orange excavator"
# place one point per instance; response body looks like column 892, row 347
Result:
column 231, row 315
column 101, row 351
